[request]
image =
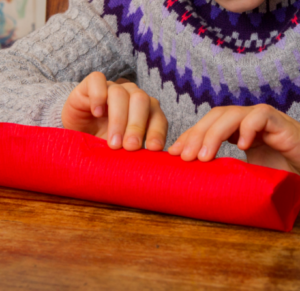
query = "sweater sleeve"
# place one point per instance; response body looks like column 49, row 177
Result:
column 38, row 72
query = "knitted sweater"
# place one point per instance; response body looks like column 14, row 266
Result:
column 190, row 55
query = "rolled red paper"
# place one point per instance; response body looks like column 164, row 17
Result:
column 74, row 164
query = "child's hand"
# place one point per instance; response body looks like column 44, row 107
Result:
column 269, row 137
column 119, row 112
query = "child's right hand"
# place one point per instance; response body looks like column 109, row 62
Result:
column 119, row 112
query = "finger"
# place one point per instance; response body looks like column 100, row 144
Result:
column 118, row 106
column 79, row 103
column 266, row 119
column 196, row 135
column 221, row 130
column 157, row 127
column 129, row 86
column 139, row 108
column 177, row 148
column 94, row 86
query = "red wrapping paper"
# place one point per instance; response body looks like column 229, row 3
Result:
column 79, row 165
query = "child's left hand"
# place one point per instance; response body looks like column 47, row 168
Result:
column 269, row 137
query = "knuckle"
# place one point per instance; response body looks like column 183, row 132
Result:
column 136, row 129
column 264, row 108
column 246, row 123
column 218, row 109
column 236, row 110
column 140, row 95
column 116, row 90
column 96, row 75
column 131, row 85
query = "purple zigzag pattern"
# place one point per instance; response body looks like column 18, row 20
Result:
column 129, row 21
column 230, row 22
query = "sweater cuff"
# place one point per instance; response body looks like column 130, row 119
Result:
column 54, row 105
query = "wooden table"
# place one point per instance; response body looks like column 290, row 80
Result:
column 55, row 243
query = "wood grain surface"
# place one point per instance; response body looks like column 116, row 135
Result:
column 56, row 6
column 56, row 243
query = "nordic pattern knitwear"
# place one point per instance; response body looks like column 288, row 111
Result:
column 190, row 55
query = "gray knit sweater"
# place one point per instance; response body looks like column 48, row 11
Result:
column 190, row 55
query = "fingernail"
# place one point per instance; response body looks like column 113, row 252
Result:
column 157, row 142
column 203, row 152
column 116, row 141
column 241, row 142
column 99, row 111
column 133, row 141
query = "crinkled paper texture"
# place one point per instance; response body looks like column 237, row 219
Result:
column 79, row 165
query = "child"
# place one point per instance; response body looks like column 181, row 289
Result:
column 191, row 56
